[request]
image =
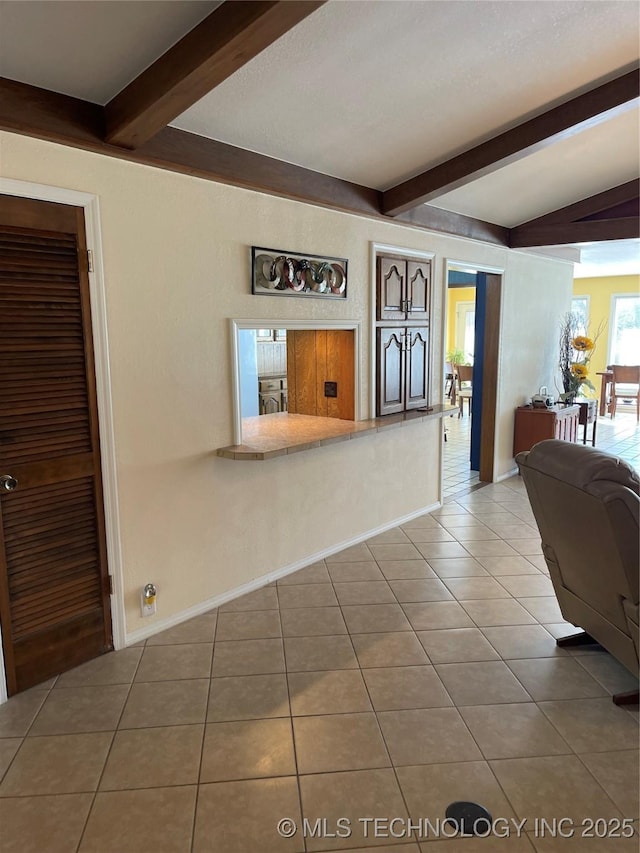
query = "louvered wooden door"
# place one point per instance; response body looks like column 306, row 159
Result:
column 54, row 591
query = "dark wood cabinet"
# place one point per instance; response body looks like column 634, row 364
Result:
column 534, row 425
column 403, row 289
column 403, row 368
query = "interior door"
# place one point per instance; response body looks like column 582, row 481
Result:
column 54, row 583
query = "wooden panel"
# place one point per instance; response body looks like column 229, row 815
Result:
column 392, row 289
column 340, row 368
column 391, row 370
column 301, row 371
column 418, row 289
column 322, row 408
column 54, row 599
column 417, row 368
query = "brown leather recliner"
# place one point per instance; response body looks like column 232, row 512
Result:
column 587, row 506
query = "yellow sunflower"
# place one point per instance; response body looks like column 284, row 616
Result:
column 579, row 371
column 582, row 343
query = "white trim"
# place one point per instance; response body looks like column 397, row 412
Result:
column 91, row 208
column 612, row 309
column 354, row 326
column 263, row 580
column 506, row 476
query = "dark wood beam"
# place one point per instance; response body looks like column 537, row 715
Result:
column 39, row 113
column 595, row 204
column 218, row 46
column 560, row 233
column 561, row 122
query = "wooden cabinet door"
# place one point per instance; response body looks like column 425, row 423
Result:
column 417, row 367
column 54, row 584
column 391, row 277
column 418, row 290
column 391, row 371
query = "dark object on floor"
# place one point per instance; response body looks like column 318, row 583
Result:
column 587, row 507
column 469, row 818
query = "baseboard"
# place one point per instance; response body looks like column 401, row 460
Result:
column 508, row 475
column 257, row 583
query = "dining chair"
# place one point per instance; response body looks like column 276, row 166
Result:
column 625, row 385
column 464, row 382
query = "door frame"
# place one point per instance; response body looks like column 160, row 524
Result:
column 490, row 360
column 90, row 205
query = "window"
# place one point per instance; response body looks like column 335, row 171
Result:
column 624, row 332
column 580, row 307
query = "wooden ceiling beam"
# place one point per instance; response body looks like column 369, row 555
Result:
column 561, row 122
column 218, row 46
column 560, row 233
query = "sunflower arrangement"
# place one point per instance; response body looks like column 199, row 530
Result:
column 576, row 351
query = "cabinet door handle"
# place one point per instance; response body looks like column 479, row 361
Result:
column 409, row 306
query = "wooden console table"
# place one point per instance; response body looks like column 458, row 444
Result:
column 588, row 415
column 605, row 378
column 534, row 425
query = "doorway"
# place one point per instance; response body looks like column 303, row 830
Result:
column 54, row 581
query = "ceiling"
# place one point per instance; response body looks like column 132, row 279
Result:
column 376, row 92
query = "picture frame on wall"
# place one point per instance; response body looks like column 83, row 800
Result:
column 276, row 272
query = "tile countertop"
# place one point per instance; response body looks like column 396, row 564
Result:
column 268, row 436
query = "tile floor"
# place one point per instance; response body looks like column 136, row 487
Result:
column 387, row 681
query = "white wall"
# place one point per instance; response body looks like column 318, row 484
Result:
column 177, row 266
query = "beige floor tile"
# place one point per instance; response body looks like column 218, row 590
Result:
column 18, row 713
column 395, row 536
column 592, row 725
column 481, row 683
column 315, row 573
column 200, row 629
column 618, row 774
column 249, row 749
column 248, row 697
column 402, row 687
column 430, row 589
column 308, row 595
column 523, row 641
column 579, row 844
column 399, row 648
column 429, row 789
column 339, row 742
column 457, row 645
column 339, row 692
column 491, row 612
column 457, row 567
column 406, row 551
column 465, row 522
column 165, row 703
column 253, row 625
column 305, row 654
column 81, row 709
column 522, row 586
column 519, row 530
column 265, row 598
column 475, row 534
column 60, row 764
column 513, row 731
column 346, row 572
column 8, row 749
column 375, row 618
column 245, row 816
column 427, row 736
column 356, row 553
column 430, row 615
column 430, row 534
column 248, row 657
column 490, row 548
column 395, row 848
column 613, row 676
column 511, row 843
column 471, row 589
column 447, row 509
column 154, row 758
column 111, row 668
column 526, row 547
column 442, row 550
column 123, row 820
column 364, row 592
column 491, row 516
column 406, row 569
column 171, row 663
column 538, row 561
column 515, row 564
column 312, row 621
column 430, row 519
column 38, row 824
column 552, row 787
column 555, row 678
column 352, row 795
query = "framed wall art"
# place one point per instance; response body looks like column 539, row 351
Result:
column 275, row 272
